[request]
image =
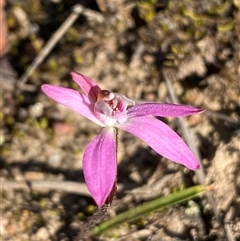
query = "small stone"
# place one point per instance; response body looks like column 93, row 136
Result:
column 142, row 234
column 55, row 160
column 42, row 234
column 36, row 110
column 63, row 129
column 176, row 227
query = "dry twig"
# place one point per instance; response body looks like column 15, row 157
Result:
column 77, row 10
column 43, row 186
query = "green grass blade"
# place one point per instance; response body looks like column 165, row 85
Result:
column 146, row 208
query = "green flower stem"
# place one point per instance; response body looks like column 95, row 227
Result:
column 146, row 208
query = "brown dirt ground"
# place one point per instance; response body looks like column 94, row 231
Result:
column 196, row 41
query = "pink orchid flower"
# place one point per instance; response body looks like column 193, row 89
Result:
column 112, row 111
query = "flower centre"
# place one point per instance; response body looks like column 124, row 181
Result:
column 110, row 108
column 111, row 99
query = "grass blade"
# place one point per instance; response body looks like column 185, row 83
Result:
column 146, row 208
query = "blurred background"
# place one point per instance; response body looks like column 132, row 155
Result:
column 123, row 45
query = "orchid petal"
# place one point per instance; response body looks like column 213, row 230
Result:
column 72, row 99
column 162, row 109
column 162, row 139
column 100, row 165
column 90, row 88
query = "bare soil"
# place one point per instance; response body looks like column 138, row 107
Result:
column 196, row 42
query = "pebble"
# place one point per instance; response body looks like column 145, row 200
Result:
column 176, row 227
column 42, row 234
column 55, row 160
column 36, row 110
column 63, row 129
column 142, row 234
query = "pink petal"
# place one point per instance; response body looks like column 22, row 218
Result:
column 90, row 88
column 164, row 110
column 72, row 99
column 100, row 165
column 162, row 139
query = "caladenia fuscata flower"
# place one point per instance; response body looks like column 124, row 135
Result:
column 114, row 111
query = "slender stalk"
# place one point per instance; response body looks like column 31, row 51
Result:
column 146, row 208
